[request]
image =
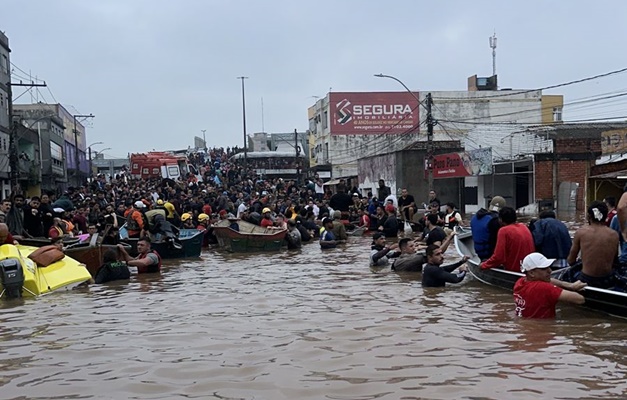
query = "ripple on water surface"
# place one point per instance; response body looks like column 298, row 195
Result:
column 301, row 325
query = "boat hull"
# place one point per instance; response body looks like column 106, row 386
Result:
column 607, row 301
column 190, row 239
column 250, row 238
column 59, row 275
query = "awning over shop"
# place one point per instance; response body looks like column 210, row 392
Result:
column 622, row 174
column 331, row 182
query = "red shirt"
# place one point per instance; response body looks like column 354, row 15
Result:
column 535, row 299
column 610, row 215
column 266, row 222
column 9, row 239
column 513, row 243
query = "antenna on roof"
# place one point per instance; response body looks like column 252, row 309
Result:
column 493, row 46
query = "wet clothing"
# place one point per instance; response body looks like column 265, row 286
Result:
column 535, row 299
column 436, row 276
column 390, row 227
column 551, row 238
column 112, row 271
column 409, row 263
column 339, row 230
column 514, row 243
column 436, row 234
column 485, row 226
column 341, row 201
column 293, row 238
column 615, row 224
column 380, row 255
column 327, row 236
column 156, row 262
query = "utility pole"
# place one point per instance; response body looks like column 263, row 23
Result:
column 244, row 122
column 13, row 139
column 297, row 151
column 77, row 164
column 430, row 124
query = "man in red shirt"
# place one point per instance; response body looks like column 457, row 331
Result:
column 513, row 243
column 536, row 293
column 5, row 235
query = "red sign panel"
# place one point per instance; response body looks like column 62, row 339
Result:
column 465, row 163
column 381, row 112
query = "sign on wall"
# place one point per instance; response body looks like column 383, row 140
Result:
column 614, row 141
column 374, row 112
column 464, row 163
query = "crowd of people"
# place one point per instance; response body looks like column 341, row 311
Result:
column 308, row 211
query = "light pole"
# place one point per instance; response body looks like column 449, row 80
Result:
column 91, row 169
column 77, row 164
column 430, row 123
column 244, row 122
column 97, row 153
column 204, row 141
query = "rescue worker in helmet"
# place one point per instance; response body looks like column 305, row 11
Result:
column 158, row 225
column 186, row 221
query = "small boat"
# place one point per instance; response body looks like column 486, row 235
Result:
column 359, row 231
column 190, row 244
column 22, row 277
column 249, row 238
column 608, row 301
column 90, row 253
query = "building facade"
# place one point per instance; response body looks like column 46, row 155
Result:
column 347, row 127
column 5, row 80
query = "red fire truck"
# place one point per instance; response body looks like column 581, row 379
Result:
column 158, row 164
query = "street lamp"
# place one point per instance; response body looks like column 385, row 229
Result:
column 244, row 121
column 77, row 165
column 430, row 123
column 91, row 168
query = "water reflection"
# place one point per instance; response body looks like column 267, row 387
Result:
column 304, row 324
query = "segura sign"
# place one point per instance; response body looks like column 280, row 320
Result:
column 375, row 112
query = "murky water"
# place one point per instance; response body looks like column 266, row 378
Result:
column 301, row 325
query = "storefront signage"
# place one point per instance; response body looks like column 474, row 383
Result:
column 464, row 163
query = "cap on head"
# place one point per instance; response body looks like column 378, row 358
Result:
column 497, row 203
column 389, row 208
column 355, row 194
column 266, row 210
column 139, row 204
column 326, row 220
column 535, row 260
column 160, row 202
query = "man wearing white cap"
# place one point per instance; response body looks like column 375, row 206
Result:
column 536, row 293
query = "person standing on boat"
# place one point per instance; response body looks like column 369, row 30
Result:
column 266, row 220
column 485, row 227
column 135, row 220
column 514, row 242
column 536, row 293
column 551, row 238
column 599, row 249
column 434, row 275
column 5, row 235
column 148, row 260
column 15, row 216
column 5, row 207
column 380, row 253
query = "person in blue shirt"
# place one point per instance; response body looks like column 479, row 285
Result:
column 327, row 239
column 551, row 238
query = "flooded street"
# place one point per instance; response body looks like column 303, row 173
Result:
column 301, row 325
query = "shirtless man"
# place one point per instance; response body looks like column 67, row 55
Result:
column 599, row 248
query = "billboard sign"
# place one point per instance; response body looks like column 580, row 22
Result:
column 374, row 112
column 464, row 163
column 614, row 141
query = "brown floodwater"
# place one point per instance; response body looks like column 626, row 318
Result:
column 301, row 325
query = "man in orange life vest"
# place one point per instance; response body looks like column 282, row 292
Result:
column 134, row 220
column 147, row 261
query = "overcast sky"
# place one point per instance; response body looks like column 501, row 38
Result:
column 155, row 73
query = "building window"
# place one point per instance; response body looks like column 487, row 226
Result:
column 4, row 64
column 325, row 120
column 56, row 151
column 557, row 114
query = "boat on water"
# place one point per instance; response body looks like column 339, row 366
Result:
column 90, row 253
column 249, row 238
column 23, row 277
column 608, row 301
column 190, row 241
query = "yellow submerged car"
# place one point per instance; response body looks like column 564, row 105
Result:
column 23, row 277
